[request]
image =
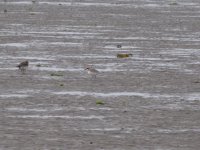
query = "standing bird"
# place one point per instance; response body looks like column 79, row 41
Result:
column 91, row 71
column 23, row 66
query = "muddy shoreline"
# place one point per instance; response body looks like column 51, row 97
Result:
column 148, row 101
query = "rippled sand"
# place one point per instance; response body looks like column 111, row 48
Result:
column 148, row 101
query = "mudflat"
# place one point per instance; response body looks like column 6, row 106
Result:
column 150, row 100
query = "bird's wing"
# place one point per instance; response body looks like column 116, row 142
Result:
column 24, row 63
column 94, row 70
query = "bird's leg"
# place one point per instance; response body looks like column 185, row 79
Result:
column 23, row 70
column 93, row 76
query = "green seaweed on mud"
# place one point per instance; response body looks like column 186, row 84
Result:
column 58, row 74
column 61, row 84
column 99, row 102
column 38, row 65
column 173, row 3
column 123, row 55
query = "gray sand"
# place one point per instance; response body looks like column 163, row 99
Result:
column 151, row 101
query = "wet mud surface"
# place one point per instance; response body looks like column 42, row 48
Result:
column 148, row 101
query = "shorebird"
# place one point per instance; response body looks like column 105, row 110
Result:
column 23, row 66
column 91, row 71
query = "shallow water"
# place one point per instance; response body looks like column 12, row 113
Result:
column 147, row 101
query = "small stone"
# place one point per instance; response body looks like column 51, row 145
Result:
column 119, row 46
column 38, row 65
